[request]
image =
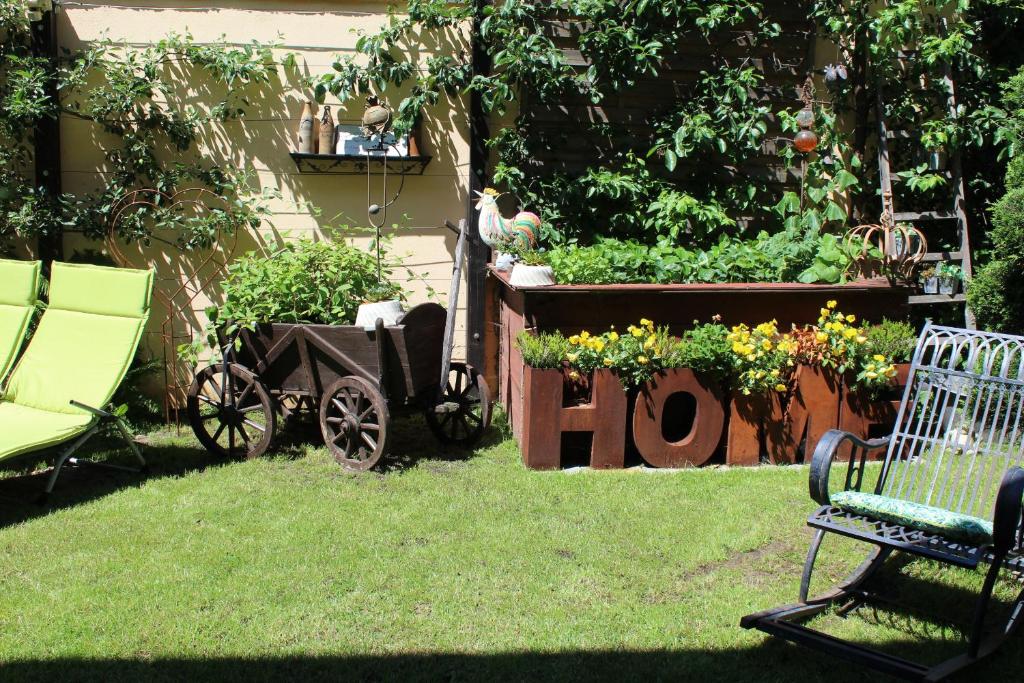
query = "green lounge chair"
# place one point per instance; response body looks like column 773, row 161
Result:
column 74, row 363
column 19, row 284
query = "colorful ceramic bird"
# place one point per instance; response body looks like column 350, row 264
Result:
column 496, row 230
column 376, row 117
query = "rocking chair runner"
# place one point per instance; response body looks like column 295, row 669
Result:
column 950, row 490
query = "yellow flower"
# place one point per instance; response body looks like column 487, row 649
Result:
column 649, row 324
column 831, row 303
column 651, row 341
column 613, row 335
column 636, row 331
column 861, row 339
column 851, row 318
column 738, row 348
column 751, row 357
column 780, row 387
column 574, row 375
column 571, row 357
column 584, row 335
column 759, row 375
column 574, row 339
column 597, row 345
column 878, row 358
column 775, row 373
column 871, row 375
column 821, row 337
column 850, row 333
column 870, row 366
column 766, row 345
column 608, row 362
column 824, row 312
column 642, row 360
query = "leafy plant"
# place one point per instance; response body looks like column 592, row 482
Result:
column 303, row 282
column 949, row 270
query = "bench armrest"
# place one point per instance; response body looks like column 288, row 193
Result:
column 1007, row 518
column 825, row 452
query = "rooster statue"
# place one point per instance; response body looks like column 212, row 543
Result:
column 496, row 230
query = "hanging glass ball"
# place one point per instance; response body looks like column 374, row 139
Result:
column 805, row 141
column 805, row 118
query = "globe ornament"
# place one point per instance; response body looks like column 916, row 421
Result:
column 886, row 250
column 377, row 117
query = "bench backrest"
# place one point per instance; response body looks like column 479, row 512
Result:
column 959, row 426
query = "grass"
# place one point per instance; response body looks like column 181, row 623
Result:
column 462, row 568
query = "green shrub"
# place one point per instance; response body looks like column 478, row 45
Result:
column 894, row 339
column 304, row 282
column 994, row 294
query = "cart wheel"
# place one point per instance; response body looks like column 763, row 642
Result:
column 230, row 411
column 465, row 408
column 354, row 421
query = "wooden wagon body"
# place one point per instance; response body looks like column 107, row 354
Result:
column 403, row 361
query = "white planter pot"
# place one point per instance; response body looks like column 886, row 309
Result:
column 531, row 276
column 388, row 311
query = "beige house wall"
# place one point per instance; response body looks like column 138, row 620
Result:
column 260, row 141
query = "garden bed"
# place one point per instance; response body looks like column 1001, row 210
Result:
column 572, row 308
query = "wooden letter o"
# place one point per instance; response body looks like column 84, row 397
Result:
column 697, row 447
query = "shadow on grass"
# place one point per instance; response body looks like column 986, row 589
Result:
column 771, row 660
column 22, row 483
column 410, row 441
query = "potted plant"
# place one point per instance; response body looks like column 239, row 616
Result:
column 949, row 276
column 929, row 281
column 531, row 268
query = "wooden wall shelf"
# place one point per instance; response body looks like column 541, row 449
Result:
column 355, row 164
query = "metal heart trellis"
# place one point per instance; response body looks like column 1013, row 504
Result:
column 192, row 271
column 887, row 249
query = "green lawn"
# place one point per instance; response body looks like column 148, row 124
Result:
column 461, row 568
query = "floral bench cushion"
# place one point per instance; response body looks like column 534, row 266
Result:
column 950, row 525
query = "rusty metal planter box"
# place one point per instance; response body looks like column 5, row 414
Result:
column 571, row 308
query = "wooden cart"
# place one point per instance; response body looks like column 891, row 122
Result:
column 354, row 378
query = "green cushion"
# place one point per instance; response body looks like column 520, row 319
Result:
column 951, row 525
column 100, row 290
column 23, row 430
column 82, row 355
column 19, row 282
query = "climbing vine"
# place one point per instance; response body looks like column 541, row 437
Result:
column 687, row 182
column 137, row 97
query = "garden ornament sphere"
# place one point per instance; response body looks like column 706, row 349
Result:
column 887, row 250
column 376, row 117
column 806, row 141
column 805, row 117
column 374, row 209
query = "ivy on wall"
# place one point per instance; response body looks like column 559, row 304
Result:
column 156, row 102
